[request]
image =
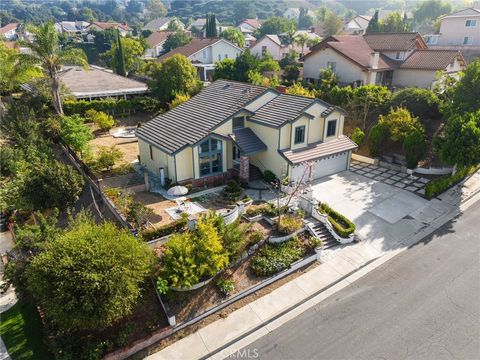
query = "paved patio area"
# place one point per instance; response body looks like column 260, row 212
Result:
column 398, row 179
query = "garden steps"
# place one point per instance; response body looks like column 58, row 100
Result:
column 322, row 233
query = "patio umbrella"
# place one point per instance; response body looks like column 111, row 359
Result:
column 177, row 191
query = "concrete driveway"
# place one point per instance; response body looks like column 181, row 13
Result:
column 386, row 216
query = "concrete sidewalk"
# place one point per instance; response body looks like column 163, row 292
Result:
column 341, row 267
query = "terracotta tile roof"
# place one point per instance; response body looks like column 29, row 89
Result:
column 319, row 150
column 395, row 41
column 157, row 37
column 191, row 48
column 8, row 27
column 430, row 59
column 255, row 23
column 355, row 48
column 108, row 25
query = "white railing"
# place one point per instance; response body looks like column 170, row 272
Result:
column 324, row 220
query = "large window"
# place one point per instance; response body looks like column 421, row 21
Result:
column 331, row 128
column 210, row 157
column 299, row 134
column 467, row 40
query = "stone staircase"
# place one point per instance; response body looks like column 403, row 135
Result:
column 322, row 233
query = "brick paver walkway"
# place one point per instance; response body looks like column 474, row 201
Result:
column 401, row 180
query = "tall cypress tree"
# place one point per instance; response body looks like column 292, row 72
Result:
column 120, row 61
column 213, row 25
column 207, row 24
column 373, row 25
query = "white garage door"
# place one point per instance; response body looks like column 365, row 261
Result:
column 325, row 166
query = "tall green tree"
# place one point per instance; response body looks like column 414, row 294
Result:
column 46, row 52
column 429, row 10
column 466, row 94
column 462, row 139
column 276, row 25
column 156, row 9
column 175, row 75
column 305, row 21
column 235, row 36
column 332, row 25
column 393, row 23
column 373, row 25
column 175, row 40
column 120, row 57
column 90, row 276
column 211, row 26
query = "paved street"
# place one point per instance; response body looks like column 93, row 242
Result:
column 423, row 304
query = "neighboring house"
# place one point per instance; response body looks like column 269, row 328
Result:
column 249, row 40
column 461, row 28
column 72, row 27
column 161, row 24
column 358, row 25
column 204, row 53
column 294, row 13
column 102, row 26
column 396, row 59
column 98, row 82
column 248, row 26
column 155, row 44
column 230, row 126
column 200, row 25
column 9, row 31
column 270, row 44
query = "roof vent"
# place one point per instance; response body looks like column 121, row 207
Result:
column 226, row 86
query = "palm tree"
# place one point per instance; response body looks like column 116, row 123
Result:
column 47, row 53
column 301, row 39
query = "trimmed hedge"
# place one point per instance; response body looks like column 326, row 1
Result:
column 441, row 184
column 110, row 105
column 165, row 230
column 342, row 226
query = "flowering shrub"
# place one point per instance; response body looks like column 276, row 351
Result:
column 273, row 258
column 226, row 286
column 289, row 224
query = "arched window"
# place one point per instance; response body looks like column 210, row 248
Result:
column 210, row 157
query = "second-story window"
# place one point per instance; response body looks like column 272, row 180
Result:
column 299, row 134
column 470, row 23
column 467, row 40
column 331, row 128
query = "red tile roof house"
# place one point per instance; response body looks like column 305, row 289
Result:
column 155, row 44
column 9, row 31
column 204, row 53
column 101, row 26
column 393, row 59
column 229, row 125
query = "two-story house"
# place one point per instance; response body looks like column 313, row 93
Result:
column 155, row 44
column 204, row 53
column 9, row 31
column 357, row 25
column 390, row 59
column 461, row 28
column 230, row 126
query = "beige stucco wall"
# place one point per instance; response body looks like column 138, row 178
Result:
column 273, row 48
column 269, row 159
column 184, row 163
column 453, row 31
column 346, row 70
column 285, row 136
column 160, row 158
column 413, row 78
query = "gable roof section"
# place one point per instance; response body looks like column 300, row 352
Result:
column 395, row 41
column 463, row 13
column 191, row 121
column 194, row 46
column 157, row 38
column 354, row 48
column 8, row 27
column 108, row 25
column 157, row 23
column 281, row 109
column 430, row 59
column 255, row 23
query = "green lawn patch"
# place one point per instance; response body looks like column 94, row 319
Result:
column 21, row 331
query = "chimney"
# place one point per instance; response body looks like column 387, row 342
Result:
column 374, row 56
column 281, row 88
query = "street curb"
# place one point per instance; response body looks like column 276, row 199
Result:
column 347, row 279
